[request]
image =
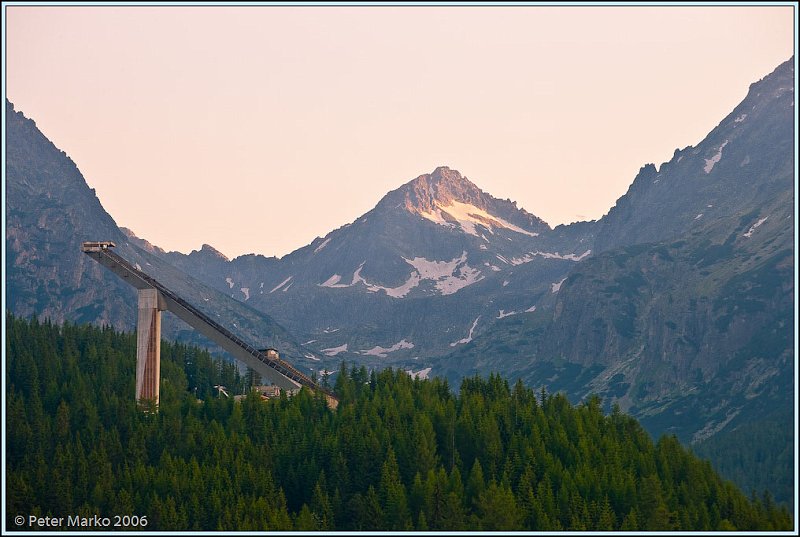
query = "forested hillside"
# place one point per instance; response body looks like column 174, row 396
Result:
column 398, row 453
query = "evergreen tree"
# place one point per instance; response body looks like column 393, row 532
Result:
column 498, row 509
column 393, row 495
column 397, row 454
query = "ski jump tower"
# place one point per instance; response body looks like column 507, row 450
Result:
column 155, row 298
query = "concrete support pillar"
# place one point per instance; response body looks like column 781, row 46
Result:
column 148, row 347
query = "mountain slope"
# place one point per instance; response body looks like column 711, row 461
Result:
column 433, row 262
column 50, row 211
column 685, row 316
column 743, row 163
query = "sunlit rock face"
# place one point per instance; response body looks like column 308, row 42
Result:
column 446, row 198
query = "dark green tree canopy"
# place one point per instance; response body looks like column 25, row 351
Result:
column 397, row 454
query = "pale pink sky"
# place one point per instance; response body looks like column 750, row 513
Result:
column 258, row 128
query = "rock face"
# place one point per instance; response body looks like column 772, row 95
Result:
column 51, row 210
column 685, row 316
column 743, row 163
column 446, row 197
column 49, row 207
column 435, row 261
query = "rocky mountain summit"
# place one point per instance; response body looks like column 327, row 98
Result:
column 446, row 198
column 438, row 253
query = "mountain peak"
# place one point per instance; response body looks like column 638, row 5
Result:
column 447, row 198
column 440, row 188
column 140, row 242
column 444, row 173
column 209, row 251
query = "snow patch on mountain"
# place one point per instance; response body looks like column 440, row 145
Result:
column 450, row 276
column 527, row 258
column 435, row 270
column 321, row 246
column 754, row 226
column 469, row 337
column 311, row 357
column 400, row 291
column 557, row 286
column 382, row 352
column 503, row 314
column 531, row 309
column 230, row 282
column 357, row 276
column 467, row 216
column 246, row 292
column 714, row 159
column 284, row 282
column 333, row 351
column 740, row 118
column 333, row 281
column 422, row 374
column 466, row 276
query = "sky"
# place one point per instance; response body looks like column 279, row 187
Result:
column 258, row 128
